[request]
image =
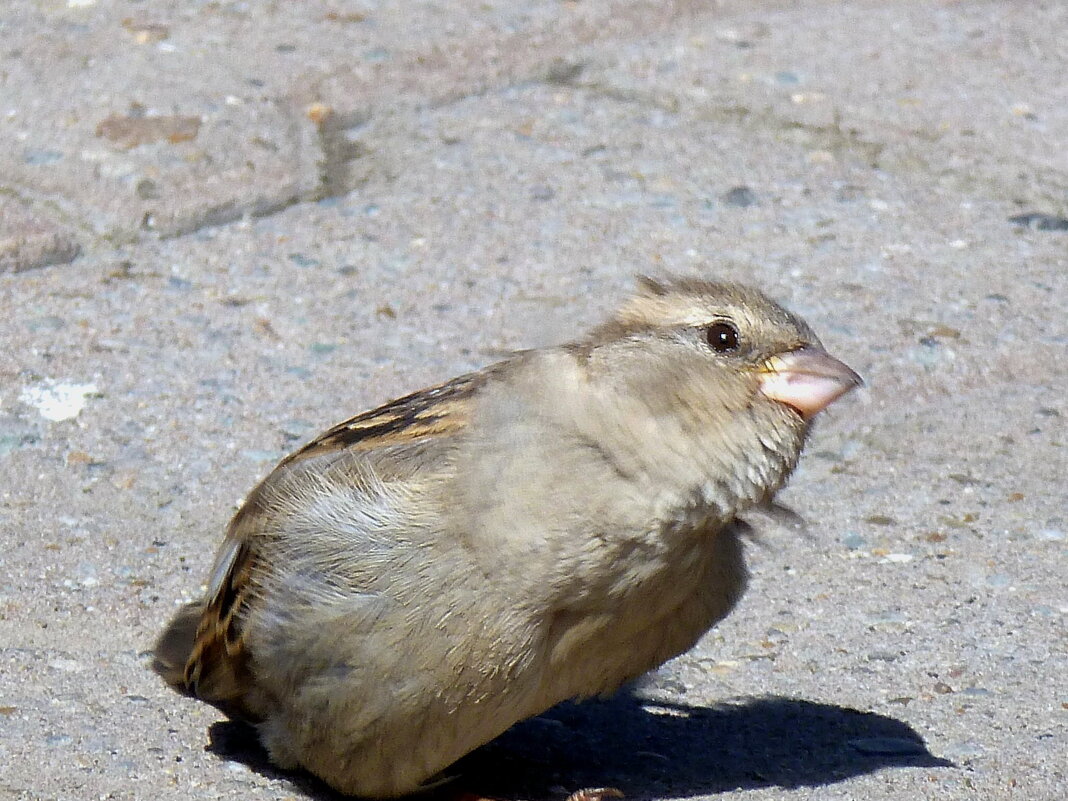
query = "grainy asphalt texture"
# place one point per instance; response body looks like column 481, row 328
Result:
column 225, row 226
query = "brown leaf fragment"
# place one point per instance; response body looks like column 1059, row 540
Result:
column 146, row 32
column 131, row 132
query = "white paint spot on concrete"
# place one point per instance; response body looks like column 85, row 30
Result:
column 896, row 558
column 58, row 400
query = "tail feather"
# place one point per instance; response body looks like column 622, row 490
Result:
column 200, row 666
column 175, row 646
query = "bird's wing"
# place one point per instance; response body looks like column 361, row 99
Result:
column 215, row 664
column 437, row 411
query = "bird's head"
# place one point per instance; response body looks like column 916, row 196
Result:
column 721, row 370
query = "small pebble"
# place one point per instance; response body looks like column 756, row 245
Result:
column 46, row 323
column 880, row 520
column 16, row 433
column 883, row 656
column 377, row 55
column 1040, row 222
column 297, row 429
column 148, row 190
column 853, row 541
column 927, row 356
column 181, row 284
column 669, row 684
column 301, row 260
column 1050, row 535
column 741, row 196
column 40, row 158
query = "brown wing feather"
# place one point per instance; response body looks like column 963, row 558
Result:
column 202, row 652
column 431, row 412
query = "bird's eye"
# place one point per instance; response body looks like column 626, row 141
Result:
column 722, row 337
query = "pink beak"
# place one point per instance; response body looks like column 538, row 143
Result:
column 807, row 379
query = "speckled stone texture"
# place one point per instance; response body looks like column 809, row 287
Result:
column 225, row 226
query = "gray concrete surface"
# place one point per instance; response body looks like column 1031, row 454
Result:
column 225, row 226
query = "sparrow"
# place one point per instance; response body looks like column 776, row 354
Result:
column 406, row 586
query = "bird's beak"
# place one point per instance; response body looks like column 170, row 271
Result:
column 807, row 379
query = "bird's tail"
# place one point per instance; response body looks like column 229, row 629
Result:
column 175, row 646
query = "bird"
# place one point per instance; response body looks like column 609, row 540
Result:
column 414, row 581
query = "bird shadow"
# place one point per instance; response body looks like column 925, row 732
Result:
column 652, row 749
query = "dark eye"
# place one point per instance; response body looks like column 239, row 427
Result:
column 722, row 337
